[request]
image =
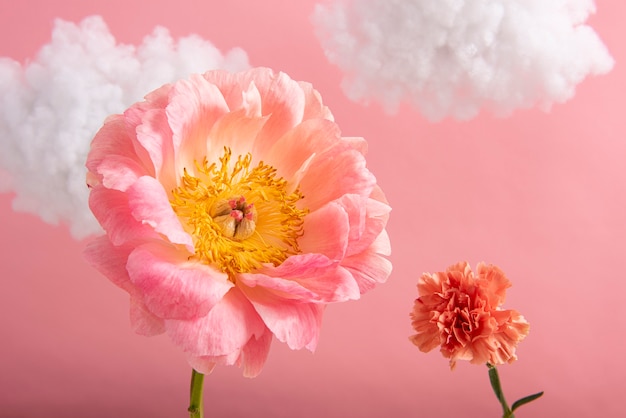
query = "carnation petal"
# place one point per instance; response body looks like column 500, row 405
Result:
column 461, row 311
column 173, row 287
column 495, row 283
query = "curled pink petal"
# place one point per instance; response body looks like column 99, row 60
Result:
column 223, row 331
column 149, row 205
column 172, row 286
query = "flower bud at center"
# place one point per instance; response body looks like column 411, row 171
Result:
column 235, row 217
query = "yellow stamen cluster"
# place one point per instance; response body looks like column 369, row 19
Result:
column 240, row 217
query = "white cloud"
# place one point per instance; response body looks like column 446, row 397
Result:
column 458, row 57
column 51, row 107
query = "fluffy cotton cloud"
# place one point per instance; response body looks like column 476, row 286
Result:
column 52, row 107
column 456, row 57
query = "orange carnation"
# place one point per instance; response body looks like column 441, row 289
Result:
column 460, row 312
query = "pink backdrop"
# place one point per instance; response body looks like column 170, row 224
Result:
column 541, row 195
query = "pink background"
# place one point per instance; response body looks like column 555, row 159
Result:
column 541, row 195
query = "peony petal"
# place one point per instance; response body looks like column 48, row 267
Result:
column 251, row 357
column 308, row 138
column 295, row 323
column 326, row 232
column 330, row 178
column 143, row 321
column 206, row 364
column 155, row 136
column 110, row 261
column 307, row 278
column 149, row 205
column 194, row 106
column 255, row 354
column 283, row 100
column 114, row 157
column 227, row 327
column 173, row 287
column 236, row 131
column 313, row 106
column 368, row 218
column 111, row 209
column 370, row 267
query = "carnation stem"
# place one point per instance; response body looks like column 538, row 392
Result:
column 497, row 388
column 195, row 400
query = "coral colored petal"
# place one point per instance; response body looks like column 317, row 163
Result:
column 328, row 179
column 235, row 131
column 194, row 106
column 311, row 137
column 295, row 323
column 111, row 209
column 370, row 267
column 337, row 285
column 494, row 282
column 173, row 287
column 305, row 277
column 282, row 100
column 426, row 341
column 326, row 232
column 368, row 218
column 149, row 205
column 313, row 106
column 289, row 289
column 227, row 327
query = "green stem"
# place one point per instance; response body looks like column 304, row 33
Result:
column 195, row 399
column 497, row 389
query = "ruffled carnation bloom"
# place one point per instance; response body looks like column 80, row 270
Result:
column 461, row 312
column 234, row 212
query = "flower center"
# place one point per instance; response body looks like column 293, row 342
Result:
column 236, row 219
column 240, row 217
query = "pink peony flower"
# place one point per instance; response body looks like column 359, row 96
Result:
column 460, row 312
column 234, row 212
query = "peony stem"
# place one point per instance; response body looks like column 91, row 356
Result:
column 195, row 399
